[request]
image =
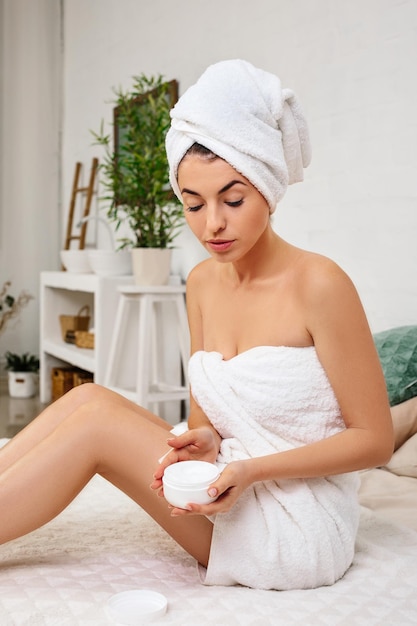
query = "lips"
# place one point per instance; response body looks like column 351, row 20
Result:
column 220, row 245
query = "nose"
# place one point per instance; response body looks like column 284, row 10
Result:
column 215, row 219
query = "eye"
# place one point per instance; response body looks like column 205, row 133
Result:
column 236, row 203
column 192, row 209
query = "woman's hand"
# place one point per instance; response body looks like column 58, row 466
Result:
column 198, row 444
column 233, row 480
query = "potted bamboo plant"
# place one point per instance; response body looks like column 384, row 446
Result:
column 134, row 173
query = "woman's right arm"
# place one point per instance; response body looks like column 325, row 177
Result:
column 201, row 441
column 198, row 422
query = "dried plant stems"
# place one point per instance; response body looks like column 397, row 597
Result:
column 10, row 307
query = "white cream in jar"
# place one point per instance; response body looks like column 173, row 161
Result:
column 187, row 482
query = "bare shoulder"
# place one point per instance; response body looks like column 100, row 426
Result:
column 202, row 270
column 329, row 297
column 200, row 277
column 197, row 281
column 320, row 276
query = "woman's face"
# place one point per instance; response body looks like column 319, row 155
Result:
column 224, row 210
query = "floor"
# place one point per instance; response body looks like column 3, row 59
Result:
column 15, row 413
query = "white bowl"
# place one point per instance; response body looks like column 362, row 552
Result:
column 137, row 606
column 76, row 261
column 110, row 262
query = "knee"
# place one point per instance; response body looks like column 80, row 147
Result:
column 89, row 408
column 94, row 405
column 88, row 392
column 95, row 400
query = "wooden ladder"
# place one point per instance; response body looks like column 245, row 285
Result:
column 88, row 193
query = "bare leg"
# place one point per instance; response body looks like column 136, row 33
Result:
column 53, row 416
column 106, row 435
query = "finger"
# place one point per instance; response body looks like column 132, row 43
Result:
column 177, row 512
column 218, row 488
column 181, row 440
column 175, row 442
column 168, row 459
column 224, row 483
column 159, row 472
column 159, row 489
column 164, row 456
column 156, row 484
column 195, row 509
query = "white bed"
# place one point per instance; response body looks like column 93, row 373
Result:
column 103, row 543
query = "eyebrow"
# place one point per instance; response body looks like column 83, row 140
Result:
column 222, row 190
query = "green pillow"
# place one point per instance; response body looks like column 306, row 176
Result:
column 397, row 349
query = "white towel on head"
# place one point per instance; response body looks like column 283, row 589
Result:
column 243, row 115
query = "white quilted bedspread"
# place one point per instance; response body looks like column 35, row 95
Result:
column 64, row 573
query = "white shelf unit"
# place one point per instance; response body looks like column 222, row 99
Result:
column 63, row 293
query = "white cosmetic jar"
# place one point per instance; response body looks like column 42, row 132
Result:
column 187, row 482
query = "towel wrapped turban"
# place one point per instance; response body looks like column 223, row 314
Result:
column 242, row 114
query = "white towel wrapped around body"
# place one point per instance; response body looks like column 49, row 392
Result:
column 288, row 534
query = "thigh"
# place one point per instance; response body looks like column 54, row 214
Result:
column 129, row 443
column 61, row 410
column 91, row 392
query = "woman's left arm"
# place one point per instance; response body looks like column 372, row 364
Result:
column 346, row 350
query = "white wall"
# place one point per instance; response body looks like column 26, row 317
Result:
column 352, row 65
column 30, row 65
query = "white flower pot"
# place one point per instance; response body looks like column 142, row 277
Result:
column 151, row 266
column 110, row 262
column 23, row 384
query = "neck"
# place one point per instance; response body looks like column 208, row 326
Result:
column 262, row 262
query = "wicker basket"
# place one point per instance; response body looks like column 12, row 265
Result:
column 62, row 381
column 80, row 321
column 65, row 378
column 84, row 339
column 81, row 377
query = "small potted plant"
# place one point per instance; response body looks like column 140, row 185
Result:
column 23, row 374
column 135, row 171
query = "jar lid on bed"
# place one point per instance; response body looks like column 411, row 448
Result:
column 138, row 606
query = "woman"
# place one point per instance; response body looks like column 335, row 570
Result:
column 287, row 394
